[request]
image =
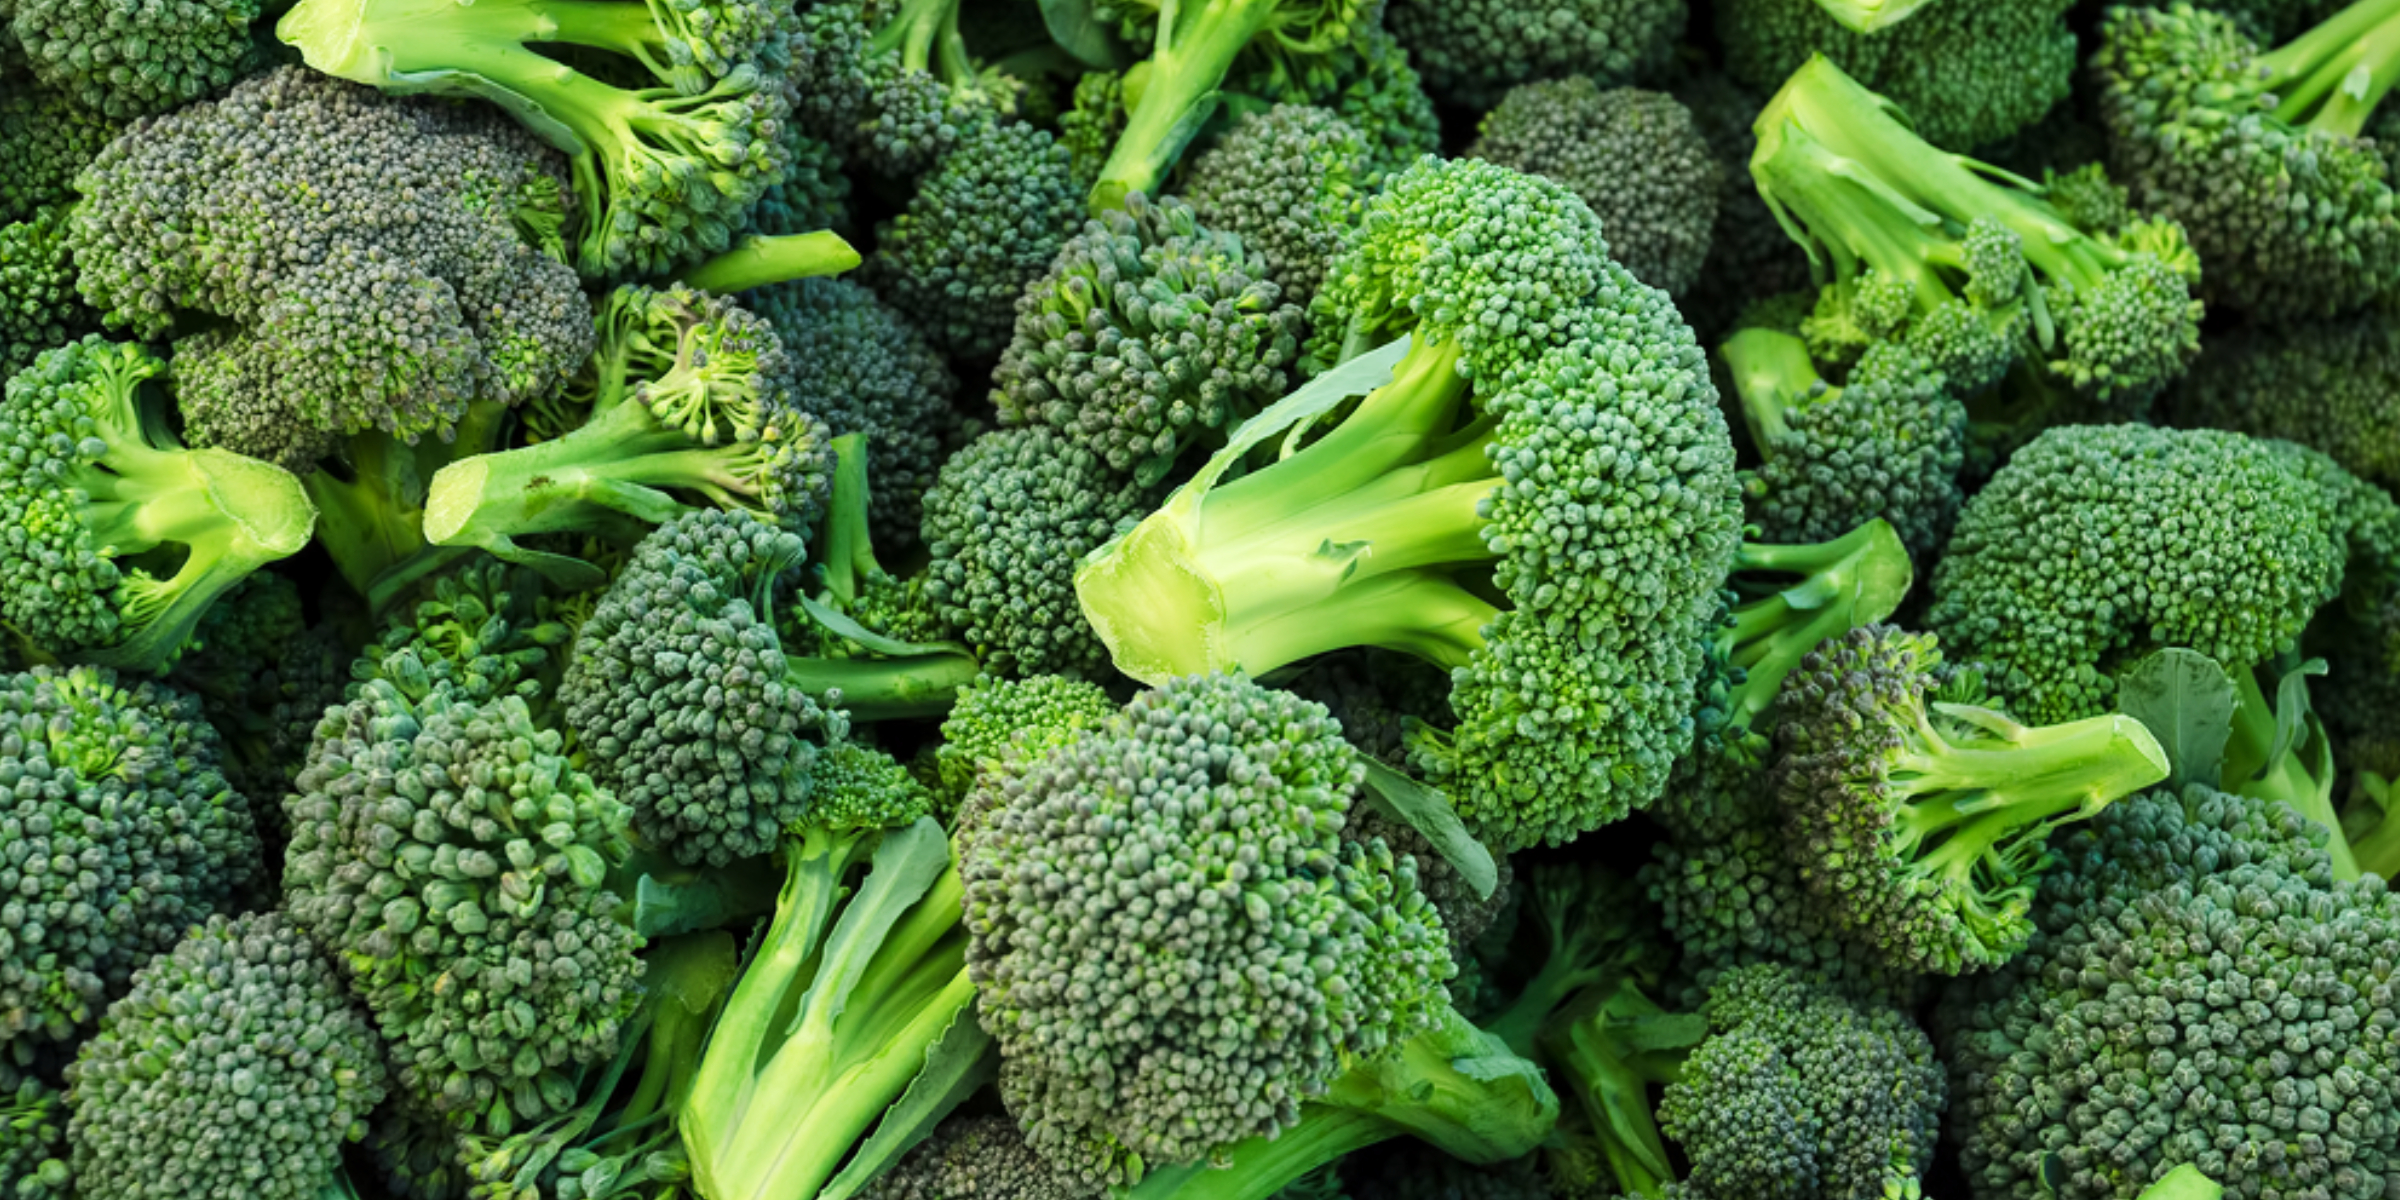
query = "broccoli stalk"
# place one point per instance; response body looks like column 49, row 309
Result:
column 371, row 506
column 1585, row 942
column 2279, row 751
column 2371, row 825
column 1612, row 1045
column 1171, row 94
column 758, row 261
column 856, row 1000
column 2331, row 78
column 1832, row 587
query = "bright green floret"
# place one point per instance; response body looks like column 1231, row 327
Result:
column 37, row 275
column 997, row 720
column 1471, row 51
column 2258, row 152
column 1289, row 182
column 1119, row 1064
column 117, row 537
column 1968, row 72
column 665, row 169
column 237, row 1066
column 1634, row 156
column 1543, row 413
column 2332, row 386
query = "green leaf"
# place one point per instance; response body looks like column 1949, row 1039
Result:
column 2293, row 715
column 842, row 625
column 2187, row 701
column 1428, row 811
column 1079, row 31
column 957, row 1066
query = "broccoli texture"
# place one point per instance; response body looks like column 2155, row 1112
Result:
column 996, row 720
column 235, row 1066
column 1368, row 82
column 983, row 1157
column 37, row 275
column 133, row 60
column 45, row 141
column 1636, row 157
column 1471, row 51
column 33, row 1137
column 1289, row 182
column 1749, row 258
column 2327, row 385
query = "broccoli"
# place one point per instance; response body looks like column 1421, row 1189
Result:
column 1413, row 1172
column 1006, row 522
column 1368, row 82
column 236, row 1066
column 2368, row 825
column 1987, row 270
column 983, row 1157
column 118, row 539
column 687, row 394
column 1968, row 72
column 2326, row 385
column 1920, row 813
column 1889, row 444
column 350, row 300
column 33, row 1137
column 891, row 85
column 1471, row 51
column 1289, row 182
column 1223, row 801
column 45, row 141
column 2259, row 153
column 863, row 368
column 1636, row 157
column 1534, row 376
column 664, row 170
column 1776, row 1087
column 134, row 60
column 996, row 720
column 1590, row 928
column 856, row 997
column 2201, row 992
column 1149, row 334
column 234, row 663
column 37, row 276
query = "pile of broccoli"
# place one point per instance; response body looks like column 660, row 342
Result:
column 1199, row 600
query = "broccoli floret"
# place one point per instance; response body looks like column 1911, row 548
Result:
column 117, row 538
column 1006, row 522
column 2371, row 824
column 45, row 141
column 1471, row 51
column 37, row 275
column 2202, row 993
column 33, row 1137
column 664, row 171
column 1368, row 82
column 1749, row 258
column 2258, row 153
column 416, row 1157
column 979, row 230
column 1465, row 913
column 892, row 85
column 996, row 720
column 863, row 368
column 983, row 1157
column 1378, row 696
column 814, row 194
column 236, row 1066
column 1589, row 928
column 1919, row 812
column 1149, row 334
column 1987, row 270
column 1535, row 376
column 687, row 395
column 2097, row 544
column 486, row 630
column 1120, row 1061
column 1636, row 157
column 2331, row 386
column 1289, row 183
column 133, row 60
column 384, row 299
column 1890, row 444
column 1968, row 72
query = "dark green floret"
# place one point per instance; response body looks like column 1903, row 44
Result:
column 1368, row 82
column 117, row 538
column 45, row 140
column 889, row 82
column 1471, row 51
column 1150, row 333
column 237, row 1066
column 33, row 1137
column 133, row 60
column 2332, row 386
column 1288, row 182
column 2258, row 152
column 1634, row 156
column 984, row 1157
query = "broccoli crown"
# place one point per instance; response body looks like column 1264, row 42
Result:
column 385, row 299
column 1378, row 696
column 37, row 274
column 998, row 719
column 814, row 194
column 1800, row 1092
column 131, row 61
column 45, row 140
column 982, row 226
column 1221, row 801
column 1367, row 82
column 868, row 83
column 1636, row 157
column 1749, row 256
column 1288, row 182
column 1968, row 72
column 450, row 858
column 676, row 687
column 1471, row 51
column 1149, row 332
column 983, row 1157
column 120, row 780
column 1889, row 444
column 33, row 1138
column 1922, row 819
column 2294, row 217
column 2096, row 544
column 2203, row 993
column 1007, row 521
column 2328, row 385
column 235, row 1067
column 863, row 368
column 860, row 787
column 487, row 630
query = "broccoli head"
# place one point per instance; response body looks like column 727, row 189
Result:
column 1288, row 182
column 1471, row 51
column 1368, row 82
column 996, row 720
column 237, row 1066
column 2328, row 385
column 984, row 1157
column 134, row 60
column 37, row 275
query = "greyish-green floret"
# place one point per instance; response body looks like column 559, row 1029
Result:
column 451, row 859
column 982, row 1157
column 1221, row 801
column 1369, row 83
column 2332, row 386
column 1289, row 183
column 1636, row 157
column 384, row 299
column 131, row 60
column 237, row 1066
column 120, row 780
column 1148, row 334
column 2096, row 544
column 1471, row 51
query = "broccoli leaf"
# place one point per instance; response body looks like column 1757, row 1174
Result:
column 2187, row 701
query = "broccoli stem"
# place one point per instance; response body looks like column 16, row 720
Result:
column 1773, row 374
column 884, row 689
column 620, row 460
column 2330, row 78
column 1610, row 1063
column 2301, row 776
column 759, row 261
column 924, row 33
column 1196, row 45
column 1870, row 16
column 2371, row 825
column 1856, row 579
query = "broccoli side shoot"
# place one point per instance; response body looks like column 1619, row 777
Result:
column 1922, row 814
column 118, row 538
column 997, row 720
